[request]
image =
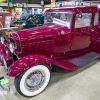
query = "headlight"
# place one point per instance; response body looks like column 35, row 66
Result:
column 12, row 47
column 2, row 39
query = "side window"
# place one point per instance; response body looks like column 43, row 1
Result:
column 62, row 18
column 96, row 18
column 32, row 20
column 83, row 20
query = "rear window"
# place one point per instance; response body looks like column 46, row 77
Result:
column 83, row 20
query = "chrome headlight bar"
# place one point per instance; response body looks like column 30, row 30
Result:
column 2, row 39
column 12, row 46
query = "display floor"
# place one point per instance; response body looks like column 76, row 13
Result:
column 83, row 84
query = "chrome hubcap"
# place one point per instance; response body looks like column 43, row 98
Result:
column 35, row 80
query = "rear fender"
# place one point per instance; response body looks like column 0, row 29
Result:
column 29, row 61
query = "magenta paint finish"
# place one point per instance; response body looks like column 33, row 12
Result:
column 29, row 61
column 5, row 54
column 46, row 44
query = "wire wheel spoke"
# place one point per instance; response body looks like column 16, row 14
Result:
column 35, row 80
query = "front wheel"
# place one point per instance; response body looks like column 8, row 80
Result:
column 33, row 81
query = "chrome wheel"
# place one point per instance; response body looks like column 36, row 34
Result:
column 35, row 80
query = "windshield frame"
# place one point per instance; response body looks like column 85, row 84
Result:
column 70, row 12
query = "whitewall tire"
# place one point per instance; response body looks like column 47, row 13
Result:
column 33, row 81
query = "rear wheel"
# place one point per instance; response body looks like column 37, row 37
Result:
column 33, row 81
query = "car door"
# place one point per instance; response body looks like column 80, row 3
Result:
column 64, row 34
column 96, row 27
column 81, row 41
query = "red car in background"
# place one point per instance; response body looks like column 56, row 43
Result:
column 4, row 17
column 69, row 39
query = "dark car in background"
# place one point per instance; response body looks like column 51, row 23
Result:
column 31, row 21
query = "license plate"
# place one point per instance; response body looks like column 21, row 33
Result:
column 7, row 33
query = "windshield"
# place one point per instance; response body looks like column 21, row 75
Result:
column 62, row 18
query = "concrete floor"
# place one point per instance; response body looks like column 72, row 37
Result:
column 83, row 84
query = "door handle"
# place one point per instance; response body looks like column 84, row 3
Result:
column 62, row 33
column 92, row 30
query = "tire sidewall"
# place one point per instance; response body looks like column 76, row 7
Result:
column 22, row 88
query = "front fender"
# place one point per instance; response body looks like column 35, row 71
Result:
column 29, row 61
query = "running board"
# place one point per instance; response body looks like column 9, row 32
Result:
column 80, row 61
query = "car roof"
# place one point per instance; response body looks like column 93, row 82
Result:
column 73, row 9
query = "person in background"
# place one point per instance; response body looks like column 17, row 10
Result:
column 24, row 15
column 17, row 15
column 13, row 17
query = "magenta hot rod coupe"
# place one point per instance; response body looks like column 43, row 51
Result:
column 69, row 39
